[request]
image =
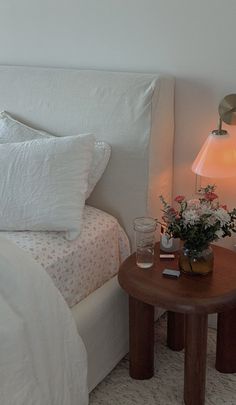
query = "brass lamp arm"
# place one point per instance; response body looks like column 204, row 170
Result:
column 219, row 130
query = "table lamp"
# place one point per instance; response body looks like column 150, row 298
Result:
column 217, row 157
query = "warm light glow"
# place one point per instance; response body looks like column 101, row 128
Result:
column 217, row 158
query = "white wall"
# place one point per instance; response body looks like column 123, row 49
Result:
column 192, row 39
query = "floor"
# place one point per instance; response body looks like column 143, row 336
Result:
column 166, row 387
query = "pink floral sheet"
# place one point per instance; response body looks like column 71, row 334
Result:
column 78, row 267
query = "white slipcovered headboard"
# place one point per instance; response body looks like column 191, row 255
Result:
column 133, row 112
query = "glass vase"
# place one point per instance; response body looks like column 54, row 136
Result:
column 195, row 262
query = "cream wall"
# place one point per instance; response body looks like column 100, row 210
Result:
column 193, row 40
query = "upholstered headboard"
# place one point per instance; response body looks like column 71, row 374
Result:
column 133, row 112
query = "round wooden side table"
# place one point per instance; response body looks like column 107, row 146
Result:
column 189, row 300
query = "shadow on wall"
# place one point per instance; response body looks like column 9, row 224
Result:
column 196, row 115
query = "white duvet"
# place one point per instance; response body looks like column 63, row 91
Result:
column 42, row 357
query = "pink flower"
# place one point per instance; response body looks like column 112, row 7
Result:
column 179, row 198
column 172, row 211
column 210, row 196
column 224, row 207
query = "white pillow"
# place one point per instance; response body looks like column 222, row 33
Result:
column 12, row 130
column 43, row 184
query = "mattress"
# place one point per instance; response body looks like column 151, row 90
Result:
column 81, row 266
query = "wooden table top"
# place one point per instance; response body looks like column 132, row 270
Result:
column 215, row 292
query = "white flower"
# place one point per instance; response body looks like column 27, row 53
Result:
column 222, row 216
column 210, row 222
column 205, row 210
column 194, row 203
column 190, row 217
column 219, row 233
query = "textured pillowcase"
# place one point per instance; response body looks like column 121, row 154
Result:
column 43, row 184
column 12, row 130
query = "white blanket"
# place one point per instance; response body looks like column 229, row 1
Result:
column 42, row 357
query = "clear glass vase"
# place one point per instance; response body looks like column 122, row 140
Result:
column 196, row 262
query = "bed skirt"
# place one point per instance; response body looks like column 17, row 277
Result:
column 102, row 322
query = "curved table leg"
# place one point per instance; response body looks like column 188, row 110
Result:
column 141, row 338
column 226, row 342
column 195, row 359
column 175, row 331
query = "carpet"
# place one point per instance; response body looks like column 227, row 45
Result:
column 166, row 387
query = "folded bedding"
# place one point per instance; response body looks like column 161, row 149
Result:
column 43, row 359
column 80, row 266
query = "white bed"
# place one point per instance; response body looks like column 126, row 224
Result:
column 133, row 112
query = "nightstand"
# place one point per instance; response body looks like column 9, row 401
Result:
column 189, row 300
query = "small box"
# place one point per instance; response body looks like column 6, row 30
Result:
column 172, row 273
column 167, row 256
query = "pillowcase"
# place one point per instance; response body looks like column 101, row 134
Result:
column 43, row 184
column 12, row 130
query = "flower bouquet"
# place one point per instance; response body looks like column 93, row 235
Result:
column 198, row 222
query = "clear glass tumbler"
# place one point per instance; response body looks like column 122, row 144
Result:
column 145, row 228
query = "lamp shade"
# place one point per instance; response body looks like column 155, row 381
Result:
column 217, row 157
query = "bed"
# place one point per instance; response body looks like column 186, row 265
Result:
column 134, row 113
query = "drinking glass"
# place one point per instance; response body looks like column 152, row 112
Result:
column 145, row 228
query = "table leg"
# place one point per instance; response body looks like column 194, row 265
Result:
column 141, row 338
column 226, row 342
column 195, row 359
column 175, row 331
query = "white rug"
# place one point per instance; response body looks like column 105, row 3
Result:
column 166, row 387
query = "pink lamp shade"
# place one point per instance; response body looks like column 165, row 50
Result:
column 217, row 157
